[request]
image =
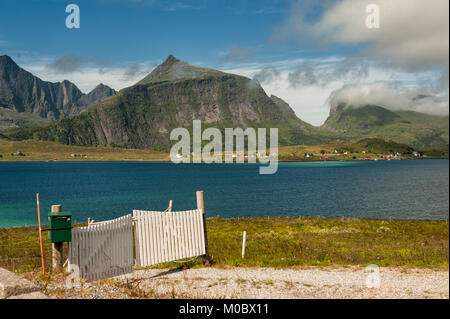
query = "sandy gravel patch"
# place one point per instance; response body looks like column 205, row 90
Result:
column 313, row 282
column 289, row 283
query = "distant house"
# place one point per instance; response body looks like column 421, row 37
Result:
column 18, row 153
column 77, row 155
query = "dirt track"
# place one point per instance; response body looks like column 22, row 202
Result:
column 313, row 282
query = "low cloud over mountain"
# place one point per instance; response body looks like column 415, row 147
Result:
column 393, row 98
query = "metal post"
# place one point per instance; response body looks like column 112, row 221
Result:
column 57, row 248
column 40, row 233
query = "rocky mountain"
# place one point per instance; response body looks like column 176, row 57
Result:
column 173, row 95
column 176, row 93
column 99, row 93
column 26, row 96
column 416, row 129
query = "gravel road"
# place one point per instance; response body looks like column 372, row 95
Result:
column 289, row 283
column 312, row 282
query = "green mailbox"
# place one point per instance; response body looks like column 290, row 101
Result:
column 60, row 227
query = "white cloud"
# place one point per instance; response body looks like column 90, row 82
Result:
column 391, row 97
column 85, row 73
column 176, row 6
column 311, row 101
column 413, row 34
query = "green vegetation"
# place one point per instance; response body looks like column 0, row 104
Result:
column 285, row 242
column 375, row 148
column 20, row 250
column 437, row 152
column 10, row 119
column 289, row 242
column 415, row 129
column 31, row 150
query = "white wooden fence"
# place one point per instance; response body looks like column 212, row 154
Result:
column 102, row 250
column 105, row 249
column 167, row 236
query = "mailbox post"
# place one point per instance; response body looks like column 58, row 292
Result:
column 60, row 232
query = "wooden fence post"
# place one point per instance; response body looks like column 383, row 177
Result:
column 201, row 206
column 244, row 236
column 57, row 248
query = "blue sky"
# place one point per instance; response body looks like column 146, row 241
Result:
column 305, row 52
column 144, row 30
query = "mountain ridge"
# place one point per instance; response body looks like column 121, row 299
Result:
column 22, row 92
column 413, row 128
column 175, row 93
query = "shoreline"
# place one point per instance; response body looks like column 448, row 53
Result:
column 369, row 149
column 169, row 161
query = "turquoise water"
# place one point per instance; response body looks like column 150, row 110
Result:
column 416, row 189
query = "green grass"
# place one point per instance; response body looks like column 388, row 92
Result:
column 285, row 243
column 44, row 150
column 356, row 150
column 438, row 152
column 20, row 250
column 417, row 130
column 290, row 242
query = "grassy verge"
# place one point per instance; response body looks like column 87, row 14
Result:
column 373, row 148
column 46, row 151
column 289, row 242
column 285, row 243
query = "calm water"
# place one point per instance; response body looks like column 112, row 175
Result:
column 386, row 189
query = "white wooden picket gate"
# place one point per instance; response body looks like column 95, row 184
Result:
column 168, row 236
column 105, row 249
column 102, row 250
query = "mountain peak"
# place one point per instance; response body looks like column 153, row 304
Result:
column 171, row 60
column 5, row 57
column 103, row 89
column 173, row 69
column 101, row 86
column 6, row 60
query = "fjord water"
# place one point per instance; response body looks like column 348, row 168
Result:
column 412, row 189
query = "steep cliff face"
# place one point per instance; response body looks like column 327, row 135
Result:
column 99, row 93
column 174, row 95
column 22, row 92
